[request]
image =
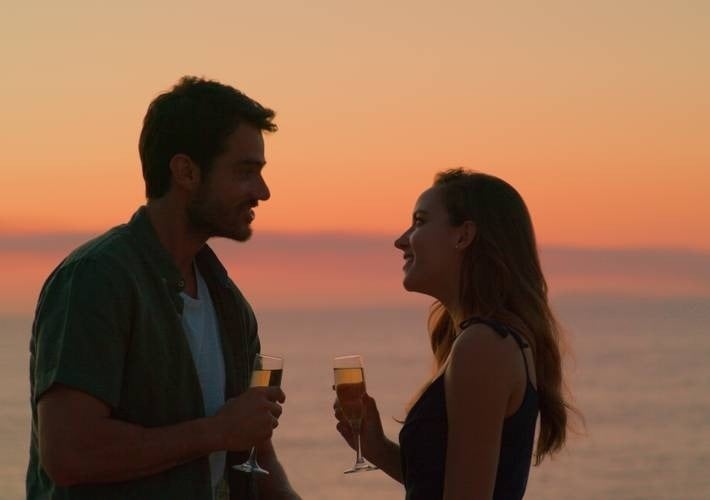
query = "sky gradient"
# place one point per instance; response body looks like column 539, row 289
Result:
column 598, row 112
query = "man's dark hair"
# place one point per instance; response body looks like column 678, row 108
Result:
column 194, row 118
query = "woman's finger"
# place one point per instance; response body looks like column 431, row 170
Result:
column 344, row 429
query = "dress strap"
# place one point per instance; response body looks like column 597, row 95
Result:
column 503, row 330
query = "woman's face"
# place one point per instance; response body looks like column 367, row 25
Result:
column 431, row 258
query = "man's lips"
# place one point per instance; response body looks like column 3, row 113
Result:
column 249, row 213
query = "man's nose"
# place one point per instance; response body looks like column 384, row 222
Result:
column 263, row 193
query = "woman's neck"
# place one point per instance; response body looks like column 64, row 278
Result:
column 458, row 314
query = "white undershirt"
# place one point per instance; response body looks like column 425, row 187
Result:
column 199, row 320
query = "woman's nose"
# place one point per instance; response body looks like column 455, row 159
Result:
column 403, row 241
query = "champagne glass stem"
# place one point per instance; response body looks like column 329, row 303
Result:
column 252, row 457
column 359, row 460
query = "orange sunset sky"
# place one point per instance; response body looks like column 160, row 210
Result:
column 598, row 112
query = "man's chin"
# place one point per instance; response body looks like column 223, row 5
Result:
column 241, row 235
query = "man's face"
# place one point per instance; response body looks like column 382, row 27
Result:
column 223, row 204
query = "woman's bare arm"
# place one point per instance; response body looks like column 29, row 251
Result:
column 478, row 381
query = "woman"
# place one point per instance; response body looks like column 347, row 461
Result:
column 470, row 432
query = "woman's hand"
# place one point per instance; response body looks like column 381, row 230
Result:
column 372, row 436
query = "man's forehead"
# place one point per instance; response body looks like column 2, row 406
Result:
column 247, row 144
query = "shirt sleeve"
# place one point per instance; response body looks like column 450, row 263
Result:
column 252, row 334
column 82, row 330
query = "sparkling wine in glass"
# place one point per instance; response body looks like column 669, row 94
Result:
column 267, row 372
column 350, row 387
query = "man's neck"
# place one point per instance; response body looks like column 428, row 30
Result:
column 172, row 227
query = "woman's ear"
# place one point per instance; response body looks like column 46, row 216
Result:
column 467, row 233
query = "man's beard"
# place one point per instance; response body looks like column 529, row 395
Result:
column 210, row 218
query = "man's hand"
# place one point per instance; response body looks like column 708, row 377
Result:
column 250, row 418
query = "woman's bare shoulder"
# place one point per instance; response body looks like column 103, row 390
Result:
column 481, row 349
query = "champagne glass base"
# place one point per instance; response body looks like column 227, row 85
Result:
column 360, row 468
column 251, row 469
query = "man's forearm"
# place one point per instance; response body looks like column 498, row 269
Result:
column 275, row 486
column 79, row 442
column 118, row 451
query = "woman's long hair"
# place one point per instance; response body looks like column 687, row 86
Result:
column 502, row 279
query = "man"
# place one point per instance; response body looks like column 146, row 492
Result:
column 141, row 345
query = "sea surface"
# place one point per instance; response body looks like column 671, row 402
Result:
column 639, row 371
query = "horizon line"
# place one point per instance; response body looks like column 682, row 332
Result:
column 22, row 239
column 560, row 299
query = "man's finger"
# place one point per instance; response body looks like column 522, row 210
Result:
column 275, row 394
column 275, row 409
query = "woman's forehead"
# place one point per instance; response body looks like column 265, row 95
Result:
column 429, row 200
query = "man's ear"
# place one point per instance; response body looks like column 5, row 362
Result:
column 185, row 172
column 467, row 233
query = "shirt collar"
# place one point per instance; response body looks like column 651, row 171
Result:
column 157, row 255
column 151, row 248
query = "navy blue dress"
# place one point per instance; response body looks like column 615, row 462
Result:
column 424, row 436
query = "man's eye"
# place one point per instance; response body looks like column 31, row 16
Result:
column 244, row 172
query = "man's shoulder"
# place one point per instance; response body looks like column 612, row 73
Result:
column 94, row 274
column 110, row 248
column 112, row 254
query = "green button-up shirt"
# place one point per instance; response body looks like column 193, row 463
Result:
column 108, row 324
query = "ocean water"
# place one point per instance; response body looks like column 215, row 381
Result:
column 640, row 373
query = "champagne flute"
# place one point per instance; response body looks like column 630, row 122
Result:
column 267, row 372
column 350, row 387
